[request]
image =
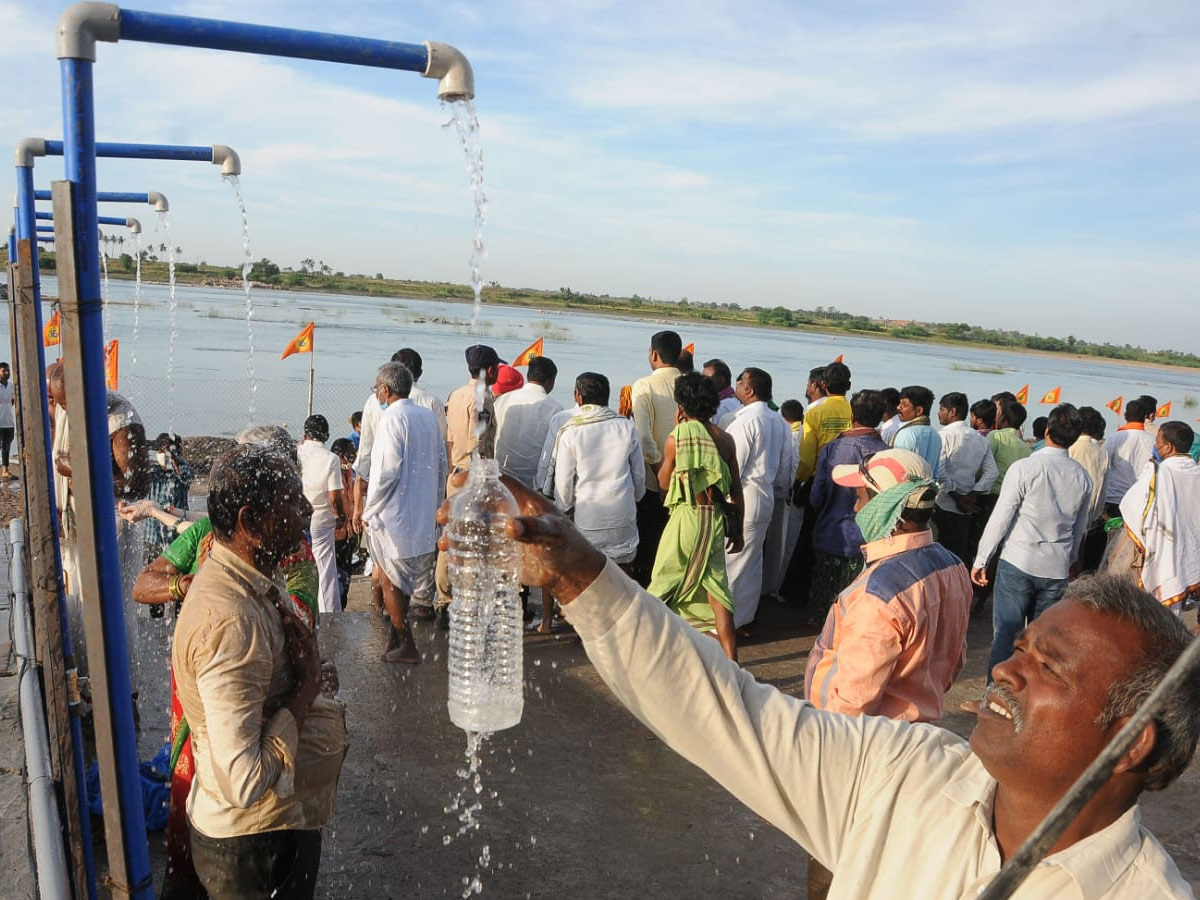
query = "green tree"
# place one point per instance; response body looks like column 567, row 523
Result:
column 263, row 270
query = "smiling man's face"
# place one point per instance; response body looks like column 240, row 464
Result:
column 1037, row 723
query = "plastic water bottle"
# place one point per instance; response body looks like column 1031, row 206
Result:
column 486, row 625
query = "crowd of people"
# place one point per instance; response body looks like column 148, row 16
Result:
column 694, row 502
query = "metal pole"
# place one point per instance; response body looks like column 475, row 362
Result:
column 1038, row 844
column 312, row 354
column 26, row 227
column 83, row 353
column 45, row 558
column 105, row 197
column 53, row 882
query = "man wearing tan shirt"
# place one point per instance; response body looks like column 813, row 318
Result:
column 268, row 748
column 654, row 409
column 483, row 363
column 904, row 810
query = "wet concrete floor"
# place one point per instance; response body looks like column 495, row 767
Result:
column 579, row 800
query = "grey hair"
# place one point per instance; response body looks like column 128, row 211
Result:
column 396, row 377
column 273, row 437
column 1177, row 723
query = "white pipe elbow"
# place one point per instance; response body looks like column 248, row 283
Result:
column 81, row 25
column 26, row 150
column 228, row 160
column 134, row 226
column 456, row 80
column 158, row 201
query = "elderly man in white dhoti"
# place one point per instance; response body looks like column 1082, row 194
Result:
column 408, row 477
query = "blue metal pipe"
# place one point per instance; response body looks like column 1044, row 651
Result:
column 186, row 31
column 80, row 158
column 45, row 239
column 12, row 245
column 103, row 220
column 141, row 151
column 105, row 197
column 48, row 229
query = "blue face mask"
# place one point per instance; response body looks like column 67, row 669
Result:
column 1157, row 456
column 384, row 404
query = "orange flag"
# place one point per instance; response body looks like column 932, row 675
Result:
column 1116, row 405
column 1052, row 396
column 51, row 335
column 523, row 358
column 110, row 364
column 301, row 343
column 839, row 359
column 1023, row 395
column 1164, row 411
column 691, row 348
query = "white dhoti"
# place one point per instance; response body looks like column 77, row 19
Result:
column 324, row 550
column 411, row 575
column 745, row 569
column 774, row 560
column 618, row 544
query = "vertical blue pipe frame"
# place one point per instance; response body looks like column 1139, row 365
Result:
column 80, row 158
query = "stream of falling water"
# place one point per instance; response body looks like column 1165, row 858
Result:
column 466, row 806
column 104, row 294
column 247, row 262
column 174, row 313
column 137, row 299
column 466, row 124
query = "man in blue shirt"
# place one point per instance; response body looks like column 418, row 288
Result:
column 916, row 433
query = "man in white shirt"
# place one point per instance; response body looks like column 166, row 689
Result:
column 1088, row 451
column 598, row 472
column 968, row 469
column 905, row 811
column 766, row 465
column 1038, row 525
column 523, row 419
column 8, row 421
column 411, row 360
column 1130, row 452
column 717, row 371
column 654, row 415
column 408, row 480
column 321, row 473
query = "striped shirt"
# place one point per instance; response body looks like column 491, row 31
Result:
column 896, row 638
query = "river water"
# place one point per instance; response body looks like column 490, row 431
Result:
column 355, row 334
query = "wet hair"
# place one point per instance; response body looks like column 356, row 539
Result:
column 759, row 381
column 593, row 388
column 891, row 396
column 1164, row 638
column 685, row 363
column 396, row 377
column 542, row 370
column 720, row 370
column 1138, row 410
column 166, row 440
column 250, row 476
column 668, row 345
column 411, row 360
column 697, row 395
column 1063, row 425
column 317, row 428
column 273, row 437
column 792, row 411
column 985, row 412
column 344, row 449
column 1091, row 422
column 1039, row 427
column 956, row 402
column 1178, row 434
column 867, row 408
column 356, row 418
column 918, row 395
column 1012, row 411
column 837, row 378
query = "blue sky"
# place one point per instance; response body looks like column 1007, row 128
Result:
column 1025, row 164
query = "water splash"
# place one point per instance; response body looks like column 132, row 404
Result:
column 467, row 808
column 104, row 294
column 466, row 124
column 247, row 262
column 174, row 315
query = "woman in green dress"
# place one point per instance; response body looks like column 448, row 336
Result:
column 699, row 478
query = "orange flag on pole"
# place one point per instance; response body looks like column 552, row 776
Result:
column 840, row 357
column 301, row 343
column 523, row 358
column 51, row 333
column 691, row 348
column 1052, row 396
column 1164, row 411
column 111, row 372
column 1023, row 395
column 1116, row 405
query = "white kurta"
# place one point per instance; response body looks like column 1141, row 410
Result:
column 766, row 463
column 371, row 412
column 321, row 474
column 431, row 402
column 522, row 422
column 408, row 477
column 1162, row 511
column 544, row 480
column 598, row 472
